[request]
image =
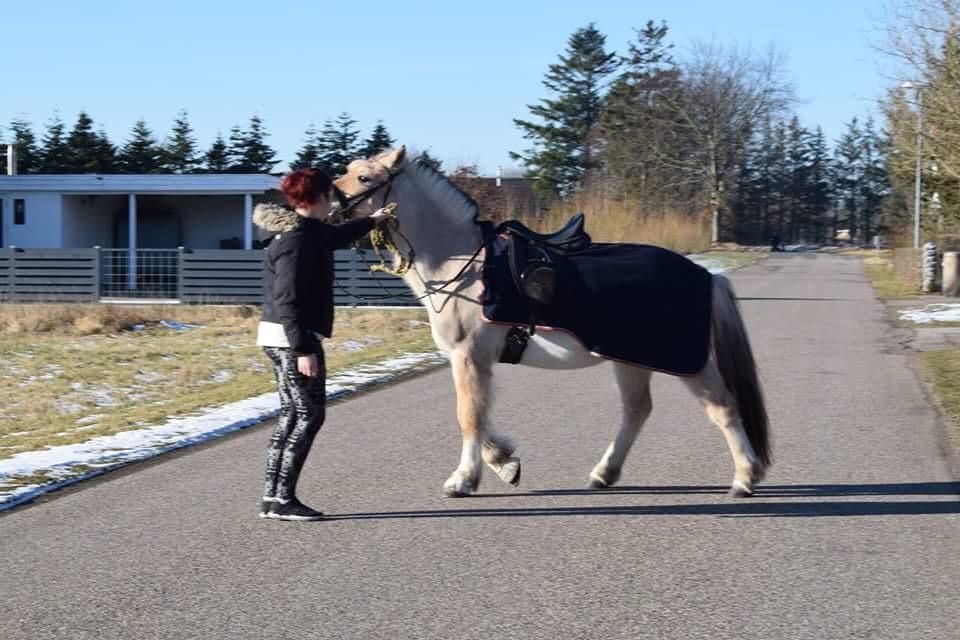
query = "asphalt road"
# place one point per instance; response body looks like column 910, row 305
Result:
column 855, row 533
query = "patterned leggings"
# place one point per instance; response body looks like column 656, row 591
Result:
column 302, row 411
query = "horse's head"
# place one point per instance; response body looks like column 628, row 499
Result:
column 365, row 187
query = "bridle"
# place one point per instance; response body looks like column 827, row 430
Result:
column 379, row 237
column 349, row 203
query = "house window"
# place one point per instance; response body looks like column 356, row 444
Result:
column 19, row 211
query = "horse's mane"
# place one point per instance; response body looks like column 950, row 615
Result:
column 449, row 198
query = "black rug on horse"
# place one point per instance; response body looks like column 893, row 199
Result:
column 637, row 303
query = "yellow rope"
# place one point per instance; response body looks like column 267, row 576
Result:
column 381, row 240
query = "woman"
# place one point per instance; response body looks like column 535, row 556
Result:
column 297, row 315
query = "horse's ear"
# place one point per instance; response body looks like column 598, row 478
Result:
column 394, row 158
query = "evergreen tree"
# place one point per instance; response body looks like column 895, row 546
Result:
column 180, row 151
column 55, row 154
column 797, row 177
column 85, row 148
column 253, row 154
column 141, row 153
column 564, row 142
column 309, row 153
column 338, row 144
column 378, row 141
column 235, row 149
column 106, row 156
column 848, row 169
column 29, row 158
column 641, row 139
column 428, row 160
column 819, row 189
column 217, row 159
column 874, row 185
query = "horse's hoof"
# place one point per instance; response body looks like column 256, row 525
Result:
column 596, row 483
column 509, row 471
column 458, row 489
column 739, row 491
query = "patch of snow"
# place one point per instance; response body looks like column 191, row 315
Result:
column 179, row 326
column 713, row 264
column 932, row 313
column 68, row 464
column 221, row 376
column 68, row 407
column 352, row 345
column 92, row 418
column 139, row 327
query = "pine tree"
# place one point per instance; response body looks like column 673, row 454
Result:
column 217, row 159
column 564, row 142
column 797, row 178
column 378, row 141
column 55, row 154
column 180, row 151
column 141, row 153
column 29, row 158
column 235, row 149
column 640, row 138
column 253, row 154
column 874, row 185
column 819, row 190
column 338, row 144
column 309, row 153
column 106, row 156
column 85, row 149
column 848, row 166
column 428, row 160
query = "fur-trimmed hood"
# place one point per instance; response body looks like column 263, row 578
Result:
column 275, row 218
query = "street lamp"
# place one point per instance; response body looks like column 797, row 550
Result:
column 908, row 85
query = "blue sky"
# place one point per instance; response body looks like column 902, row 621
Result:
column 443, row 77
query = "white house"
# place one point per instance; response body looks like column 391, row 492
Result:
column 163, row 211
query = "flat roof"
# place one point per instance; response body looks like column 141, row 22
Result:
column 111, row 183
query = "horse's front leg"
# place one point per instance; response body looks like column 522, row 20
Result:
column 472, row 377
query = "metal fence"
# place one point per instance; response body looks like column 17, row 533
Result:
column 188, row 276
column 143, row 273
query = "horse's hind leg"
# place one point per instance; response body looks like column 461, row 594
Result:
column 634, row 384
column 721, row 408
column 497, row 452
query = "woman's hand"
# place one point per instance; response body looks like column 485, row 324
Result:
column 307, row 365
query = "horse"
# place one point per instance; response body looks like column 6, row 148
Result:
column 435, row 233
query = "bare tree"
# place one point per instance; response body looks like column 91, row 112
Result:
column 923, row 40
column 727, row 92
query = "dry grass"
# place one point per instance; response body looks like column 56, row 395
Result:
column 880, row 270
column 616, row 221
column 93, row 319
column 72, row 372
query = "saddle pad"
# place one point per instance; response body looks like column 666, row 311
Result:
column 636, row 303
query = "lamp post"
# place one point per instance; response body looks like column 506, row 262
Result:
column 917, row 179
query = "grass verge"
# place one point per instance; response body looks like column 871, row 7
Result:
column 879, row 269
column 941, row 370
column 62, row 384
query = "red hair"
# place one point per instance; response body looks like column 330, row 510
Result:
column 304, row 187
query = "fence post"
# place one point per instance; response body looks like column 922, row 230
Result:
column 97, row 274
column 13, row 272
column 180, row 274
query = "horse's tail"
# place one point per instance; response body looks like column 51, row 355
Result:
column 731, row 349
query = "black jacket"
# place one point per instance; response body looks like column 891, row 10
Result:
column 298, row 282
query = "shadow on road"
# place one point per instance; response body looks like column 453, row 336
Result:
column 756, row 507
column 749, row 299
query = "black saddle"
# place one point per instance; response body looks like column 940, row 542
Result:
column 569, row 239
column 533, row 258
